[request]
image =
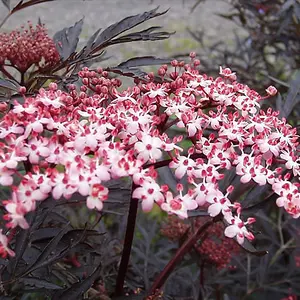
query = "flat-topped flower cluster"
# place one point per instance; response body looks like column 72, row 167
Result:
column 75, row 142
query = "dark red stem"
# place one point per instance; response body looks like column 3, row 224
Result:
column 184, row 249
column 131, row 219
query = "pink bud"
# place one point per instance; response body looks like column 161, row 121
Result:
column 3, row 106
column 271, row 90
column 192, row 54
column 251, row 220
column 22, row 90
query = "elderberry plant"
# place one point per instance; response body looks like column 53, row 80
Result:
column 97, row 143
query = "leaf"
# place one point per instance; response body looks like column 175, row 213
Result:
column 9, row 84
column 6, row 3
column 40, row 283
column 124, row 25
column 22, row 238
column 144, row 35
column 89, row 45
column 44, row 233
column 22, row 4
column 143, row 61
column 279, row 103
column 129, row 72
column 292, row 98
column 76, row 290
column 66, row 40
column 168, row 178
column 248, row 247
column 51, row 247
column 279, row 81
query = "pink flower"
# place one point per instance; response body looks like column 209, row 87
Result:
column 149, row 193
column 182, row 165
column 149, row 147
column 16, row 212
column 98, row 194
column 238, row 229
column 4, row 249
column 179, row 205
column 218, row 203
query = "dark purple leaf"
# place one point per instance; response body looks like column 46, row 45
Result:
column 143, row 61
column 248, row 247
column 22, row 238
column 76, row 290
column 9, row 84
column 89, row 45
column 23, row 4
column 51, row 247
column 144, row 35
column 44, row 233
column 279, row 103
column 292, row 98
column 66, row 40
column 129, row 72
column 124, row 25
column 40, row 283
column 6, row 3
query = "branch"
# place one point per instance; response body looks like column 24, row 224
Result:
column 131, row 219
column 184, row 249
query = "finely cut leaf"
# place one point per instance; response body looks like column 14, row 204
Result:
column 143, row 61
column 77, row 290
column 124, row 25
column 23, row 4
column 66, row 40
column 40, row 283
column 8, row 84
column 6, row 3
column 48, row 250
column 248, row 247
column 293, row 96
column 144, row 35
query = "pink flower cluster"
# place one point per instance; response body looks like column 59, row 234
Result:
column 74, row 142
column 25, row 48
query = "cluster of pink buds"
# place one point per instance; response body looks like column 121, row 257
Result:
column 75, row 142
column 215, row 248
column 25, row 48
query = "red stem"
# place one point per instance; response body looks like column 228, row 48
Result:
column 184, row 249
column 131, row 219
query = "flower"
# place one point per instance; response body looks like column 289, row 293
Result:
column 179, row 205
column 4, row 249
column 98, row 194
column 148, row 147
column 149, row 193
column 238, row 229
